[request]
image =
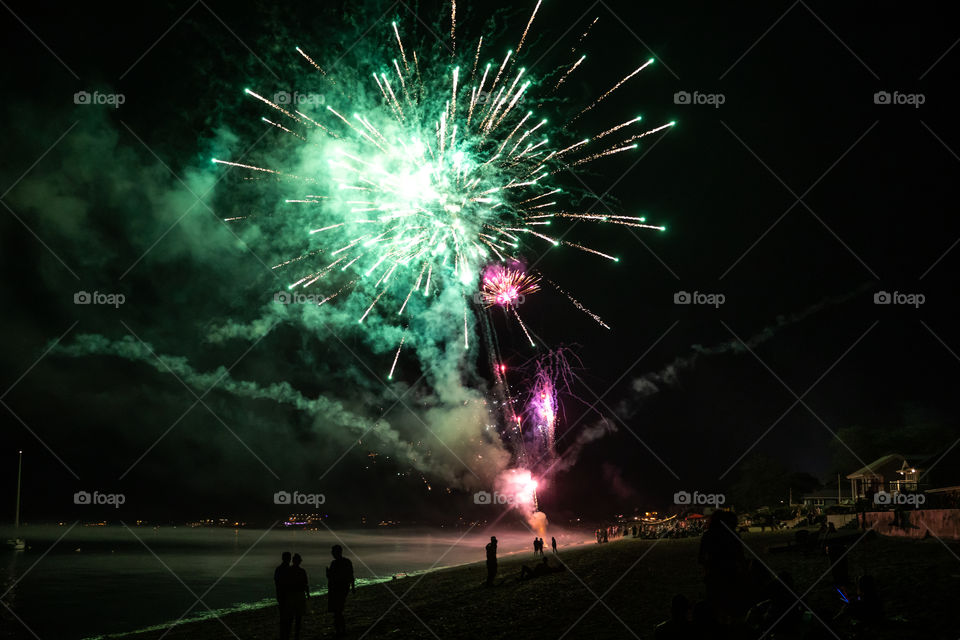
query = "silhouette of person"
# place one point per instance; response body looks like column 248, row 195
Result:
column 536, row 545
column 340, row 582
column 553, row 544
column 677, row 626
column 295, row 589
column 279, row 573
column 280, row 582
column 839, row 567
column 783, row 611
column 491, row 560
column 721, row 554
column 541, row 569
column 866, row 607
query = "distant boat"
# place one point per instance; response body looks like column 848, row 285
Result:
column 17, row 543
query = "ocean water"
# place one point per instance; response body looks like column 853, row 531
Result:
column 88, row 581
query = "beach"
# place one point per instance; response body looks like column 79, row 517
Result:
column 621, row 589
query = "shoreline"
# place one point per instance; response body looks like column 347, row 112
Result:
column 266, row 603
column 616, row 590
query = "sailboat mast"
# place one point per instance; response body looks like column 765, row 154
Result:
column 16, row 517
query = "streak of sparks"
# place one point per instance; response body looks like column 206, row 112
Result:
column 614, row 88
column 396, row 357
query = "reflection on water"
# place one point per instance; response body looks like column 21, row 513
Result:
column 110, row 579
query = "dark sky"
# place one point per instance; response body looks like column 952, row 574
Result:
column 798, row 199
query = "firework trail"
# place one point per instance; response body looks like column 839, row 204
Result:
column 553, row 375
column 423, row 180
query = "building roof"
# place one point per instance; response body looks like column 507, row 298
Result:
column 892, row 461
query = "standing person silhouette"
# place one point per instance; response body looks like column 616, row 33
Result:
column 340, row 581
column 297, row 591
column 280, row 582
column 491, row 560
column 553, row 544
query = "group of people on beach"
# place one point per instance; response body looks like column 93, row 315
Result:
column 293, row 590
column 744, row 598
column 526, row 573
column 674, row 528
column 538, row 546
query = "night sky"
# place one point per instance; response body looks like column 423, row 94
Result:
column 799, row 198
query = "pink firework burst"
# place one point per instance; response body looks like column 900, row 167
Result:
column 506, row 286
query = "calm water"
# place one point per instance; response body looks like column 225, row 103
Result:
column 98, row 580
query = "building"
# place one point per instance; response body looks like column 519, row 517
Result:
column 891, row 473
column 827, row 497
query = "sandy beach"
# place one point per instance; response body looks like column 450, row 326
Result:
column 635, row 580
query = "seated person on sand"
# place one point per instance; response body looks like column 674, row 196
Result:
column 541, row 569
column 678, row 626
column 865, row 608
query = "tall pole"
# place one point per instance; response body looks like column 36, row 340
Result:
column 16, row 517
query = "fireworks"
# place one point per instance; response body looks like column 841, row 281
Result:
column 552, row 374
column 506, row 286
column 430, row 171
column 518, row 488
column 423, row 182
